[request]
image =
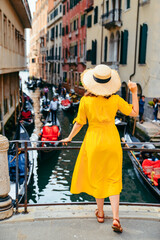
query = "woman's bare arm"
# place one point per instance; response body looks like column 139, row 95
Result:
column 76, row 128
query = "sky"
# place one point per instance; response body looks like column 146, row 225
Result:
column 32, row 9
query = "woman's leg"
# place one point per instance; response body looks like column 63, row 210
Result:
column 115, row 206
column 100, row 203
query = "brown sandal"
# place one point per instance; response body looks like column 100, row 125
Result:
column 102, row 218
column 117, row 227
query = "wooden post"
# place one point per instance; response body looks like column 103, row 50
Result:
column 134, row 126
column 15, row 112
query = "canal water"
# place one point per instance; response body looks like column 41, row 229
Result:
column 51, row 179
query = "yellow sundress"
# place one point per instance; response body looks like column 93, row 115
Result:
column 98, row 169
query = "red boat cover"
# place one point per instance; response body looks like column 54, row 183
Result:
column 26, row 115
column 147, row 163
column 65, row 102
column 50, row 133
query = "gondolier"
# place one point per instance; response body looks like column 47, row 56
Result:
column 53, row 107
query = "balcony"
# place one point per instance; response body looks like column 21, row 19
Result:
column 70, row 35
column 50, row 58
column 112, row 19
column 23, row 11
column 89, row 6
column 83, row 60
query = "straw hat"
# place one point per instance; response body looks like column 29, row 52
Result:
column 101, row 80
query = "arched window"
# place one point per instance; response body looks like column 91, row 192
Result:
column 139, row 90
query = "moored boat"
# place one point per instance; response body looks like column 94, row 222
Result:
column 21, row 134
column 65, row 104
column 146, row 166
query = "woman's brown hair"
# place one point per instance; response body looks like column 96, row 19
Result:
column 87, row 93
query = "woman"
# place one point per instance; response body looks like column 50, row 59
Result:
column 98, row 169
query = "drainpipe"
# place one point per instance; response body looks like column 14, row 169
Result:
column 136, row 39
column 102, row 36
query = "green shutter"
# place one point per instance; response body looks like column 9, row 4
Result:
column 89, row 21
column 124, row 47
column 128, row 4
column 143, row 44
column 94, row 52
column 105, row 49
column 96, row 15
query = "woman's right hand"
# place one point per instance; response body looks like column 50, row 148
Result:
column 65, row 141
column 132, row 86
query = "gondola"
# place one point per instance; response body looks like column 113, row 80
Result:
column 50, row 132
column 150, row 177
column 21, row 134
column 27, row 115
column 44, row 106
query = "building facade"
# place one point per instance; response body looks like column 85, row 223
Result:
column 74, row 42
column 37, row 63
column 54, row 42
column 127, row 40
column 14, row 18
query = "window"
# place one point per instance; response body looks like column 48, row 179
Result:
column 80, row 48
column 143, row 44
column 64, row 11
column 64, row 76
column 105, row 49
column 128, row 4
column 82, row 20
column 5, row 30
column 66, row 29
column 124, row 47
column 63, row 31
column 107, row 8
column 11, row 100
column 74, row 25
column 66, row 52
column 9, row 34
column 96, row 15
column 94, row 52
column 59, row 53
column 56, row 31
column 33, row 60
column 67, row 6
column 89, row 21
column 60, row 8
column 52, row 33
column 60, row 29
column 5, row 106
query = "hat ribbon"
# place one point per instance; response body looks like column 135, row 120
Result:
column 98, row 80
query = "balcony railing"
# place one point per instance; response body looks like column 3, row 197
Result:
column 76, row 32
column 112, row 19
column 70, row 35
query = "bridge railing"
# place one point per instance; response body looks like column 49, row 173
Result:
column 27, row 148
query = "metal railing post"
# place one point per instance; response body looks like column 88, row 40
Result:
column 17, row 177
column 26, row 172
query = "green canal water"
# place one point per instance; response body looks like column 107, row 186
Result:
column 52, row 175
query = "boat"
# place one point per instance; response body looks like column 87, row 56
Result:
column 50, row 132
column 21, row 134
column 65, row 104
column 27, row 115
column 147, row 170
column 74, row 100
column 26, row 97
column 44, row 106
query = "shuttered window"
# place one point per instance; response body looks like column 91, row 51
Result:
column 124, row 47
column 89, row 21
column 52, row 33
column 96, row 15
column 63, row 31
column 143, row 44
column 64, row 10
column 94, row 52
column 105, row 49
column 89, row 55
column 128, row 4
column 60, row 29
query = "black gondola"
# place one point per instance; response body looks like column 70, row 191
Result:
column 139, row 170
column 21, row 134
column 27, row 115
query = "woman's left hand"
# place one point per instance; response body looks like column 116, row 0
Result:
column 65, row 141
